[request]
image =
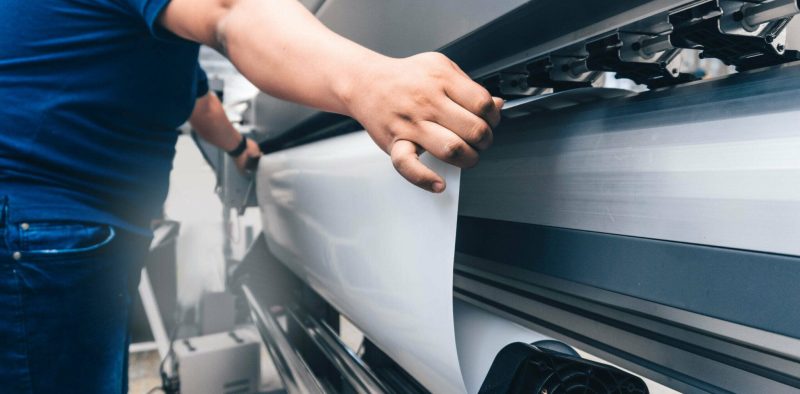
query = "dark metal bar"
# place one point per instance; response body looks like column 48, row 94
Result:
column 293, row 370
column 353, row 370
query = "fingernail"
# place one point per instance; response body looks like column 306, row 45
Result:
column 437, row 187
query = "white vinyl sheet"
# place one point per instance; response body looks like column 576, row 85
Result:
column 381, row 251
column 480, row 335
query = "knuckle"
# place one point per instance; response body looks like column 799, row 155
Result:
column 439, row 66
column 439, row 58
column 400, row 163
column 453, row 150
column 397, row 127
column 404, row 164
column 480, row 133
column 422, row 100
column 484, row 104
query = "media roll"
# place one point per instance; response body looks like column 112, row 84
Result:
column 381, row 251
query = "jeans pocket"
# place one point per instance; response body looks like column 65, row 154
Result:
column 63, row 239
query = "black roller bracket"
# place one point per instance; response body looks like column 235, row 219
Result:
column 540, row 75
column 747, row 34
column 719, row 30
column 533, row 79
column 606, row 55
column 547, row 369
column 510, row 84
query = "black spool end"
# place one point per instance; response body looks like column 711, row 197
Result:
column 522, row 368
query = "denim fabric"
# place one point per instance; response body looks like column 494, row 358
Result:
column 65, row 292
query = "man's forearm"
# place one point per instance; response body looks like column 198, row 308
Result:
column 408, row 106
column 282, row 49
column 303, row 60
column 210, row 121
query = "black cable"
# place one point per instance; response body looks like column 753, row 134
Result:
column 171, row 385
column 154, row 389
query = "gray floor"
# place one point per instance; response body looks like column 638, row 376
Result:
column 143, row 372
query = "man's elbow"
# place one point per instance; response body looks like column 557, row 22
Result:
column 220, row 33
column 203, row 107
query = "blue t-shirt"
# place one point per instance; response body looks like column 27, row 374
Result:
column 91, row 94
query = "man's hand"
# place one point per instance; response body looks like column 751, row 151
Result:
column 248, row 160
column 423, row 102
column 209, row 120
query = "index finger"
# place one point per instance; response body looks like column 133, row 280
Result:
column 405, row 158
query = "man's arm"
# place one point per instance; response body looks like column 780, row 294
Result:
column 209, row 120
column 424, row 102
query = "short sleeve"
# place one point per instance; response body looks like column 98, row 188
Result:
column 201, row 82
column 149, row 11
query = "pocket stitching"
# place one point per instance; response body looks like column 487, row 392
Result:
column 67, row 252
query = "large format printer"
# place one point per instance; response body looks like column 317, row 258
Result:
column 657, row 229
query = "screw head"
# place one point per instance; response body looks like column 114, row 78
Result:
column 24, row 226
column 16, row 255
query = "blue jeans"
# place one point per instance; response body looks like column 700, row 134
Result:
column 65, row 293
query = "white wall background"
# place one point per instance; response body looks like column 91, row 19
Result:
column 192, row 202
